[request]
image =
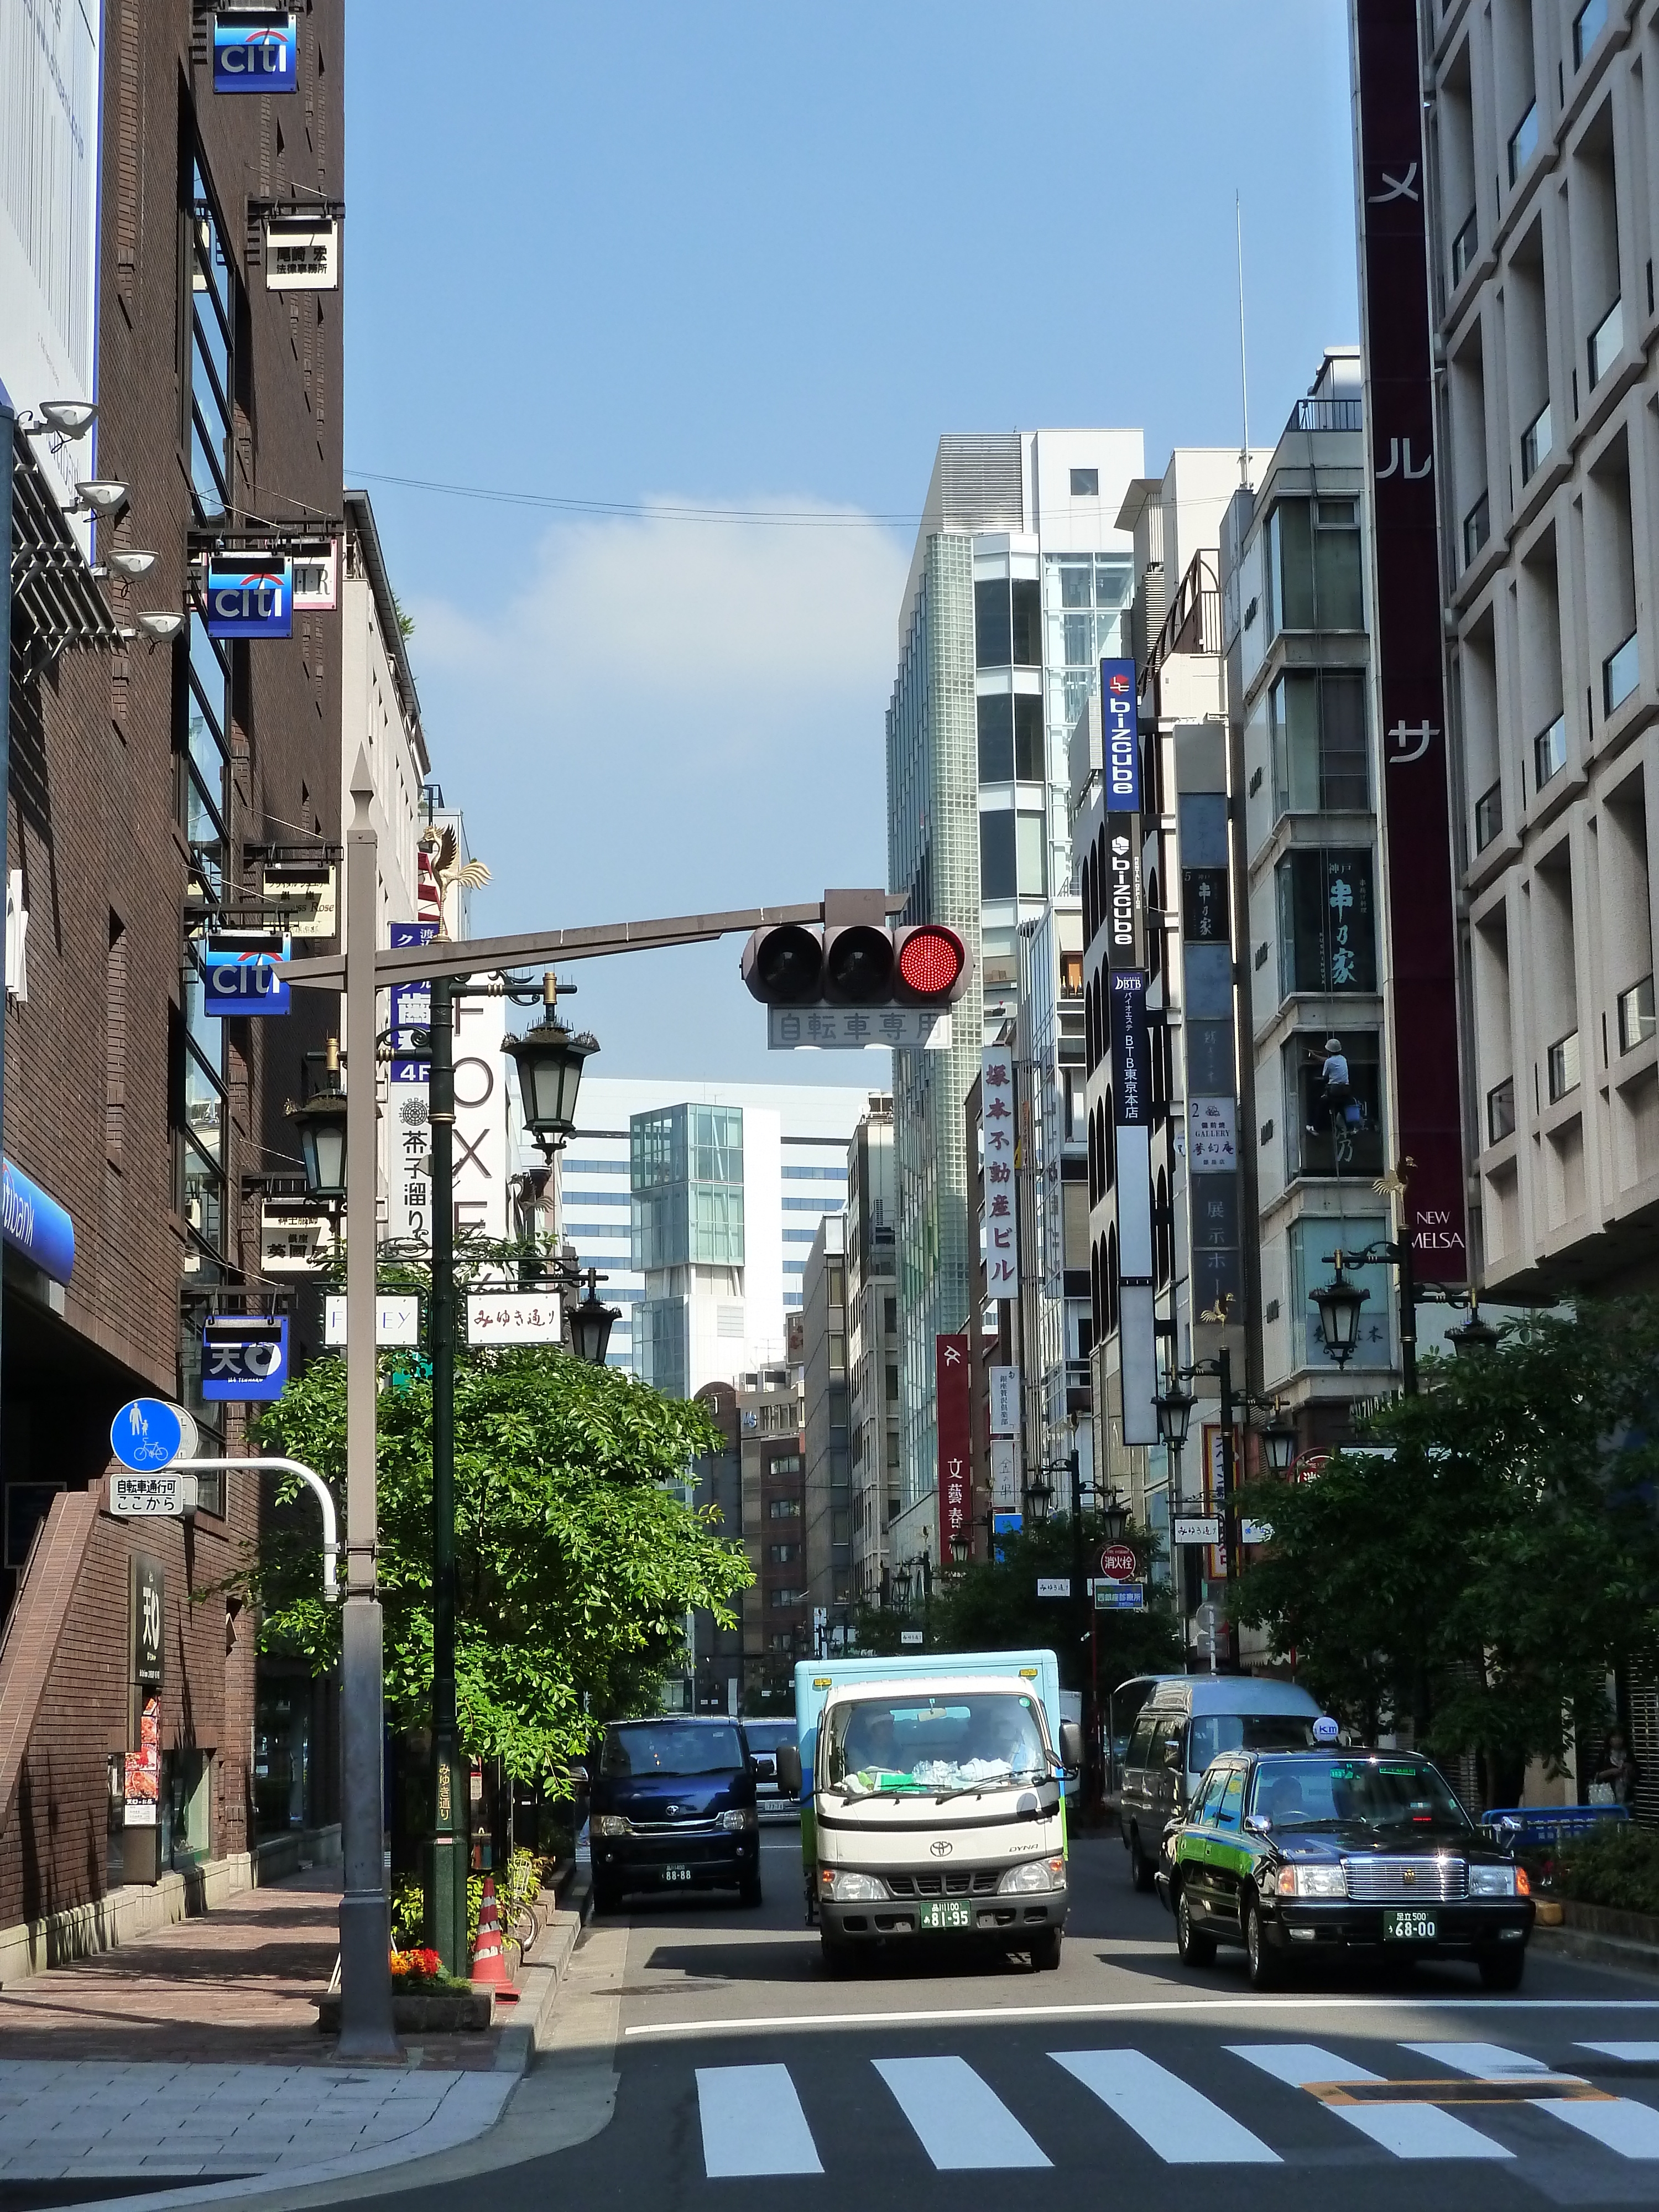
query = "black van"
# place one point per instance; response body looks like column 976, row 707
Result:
column 673, row 1807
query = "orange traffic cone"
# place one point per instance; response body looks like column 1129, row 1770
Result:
column 488, row 1959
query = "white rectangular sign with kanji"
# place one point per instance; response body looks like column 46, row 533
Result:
column 854, row 1029
column 1001, row 1141
column 512, row 1317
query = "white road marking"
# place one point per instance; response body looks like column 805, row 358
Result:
column 1619, row 2123
column 960, row 2119
column 1173, row 2118
column 1487, row 2062
column 1636, row 2053
column 752, row 2122
column 1409, row 2131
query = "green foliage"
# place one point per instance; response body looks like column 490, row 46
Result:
column 408, row 1910
column 1482, row 1584
column 1616, row 1864
column 576, row 1562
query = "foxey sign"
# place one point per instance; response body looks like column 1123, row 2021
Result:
column 251, row 597
column 256, row 53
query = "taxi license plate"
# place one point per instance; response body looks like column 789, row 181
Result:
column 674, row 1874
column 944, row 1912
column 1410, row 1928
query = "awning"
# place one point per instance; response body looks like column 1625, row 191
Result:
column 35, row 1225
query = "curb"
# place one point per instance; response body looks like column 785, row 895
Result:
column 1596, row 1950
column 543, row 1969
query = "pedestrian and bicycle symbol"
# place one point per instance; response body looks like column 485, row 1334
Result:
column 150, row 1433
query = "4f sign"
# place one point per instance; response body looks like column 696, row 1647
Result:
column 256, row 54
column 250, row 601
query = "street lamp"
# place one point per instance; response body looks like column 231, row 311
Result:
column 1339, row 1304
column 1115, row 1520
column 1041, row 1493
column 548, row 1059
column 1175, row 1411
column 1474, row 1335
column 321, row 1121
column 591, row 1324
column 959, row 1548
column 1278, row 1442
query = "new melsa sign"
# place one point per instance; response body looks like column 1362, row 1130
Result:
column 256, row 51
column 250, row 598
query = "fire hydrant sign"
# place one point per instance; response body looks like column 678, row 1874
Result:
column 512, row 1317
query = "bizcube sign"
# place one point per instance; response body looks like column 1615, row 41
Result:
column 1120, row 737
column 250, row 599
column 256, row 53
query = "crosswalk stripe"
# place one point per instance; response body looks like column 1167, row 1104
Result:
column 1409, row 2131
column 1619, row 2123
column 1176, row 2120
column 752, row 2122
column 961, row 2121
column 1487, row 2062
column 1637, row 2053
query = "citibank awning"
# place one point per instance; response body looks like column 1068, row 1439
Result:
column 35, row 1225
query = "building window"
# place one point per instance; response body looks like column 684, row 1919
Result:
column 1488, row 817
column 1564, row 1073
column 198, row 1118
column 1318, row 725
column 1007, row 622
column 785, row 1509
column 1500, row 1111
column 780, row 1598
column 1327, row 929
column 1329, row 1134
column 205, row 763
column 780, row 1554
column 212, row 388
column 1086, row 482
column 1011, row 738
column 997, row 878
column 1587, row 28
column 1549, row 752
column 1635, row 1015
column 1313, row 567
column 1523, row 142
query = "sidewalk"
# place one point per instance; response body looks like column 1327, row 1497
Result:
column 194, row 2053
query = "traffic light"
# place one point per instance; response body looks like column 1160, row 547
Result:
column 857, row 959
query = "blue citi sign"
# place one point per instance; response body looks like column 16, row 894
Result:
column 1120, row 737
column 242, row 983
column 256, row 54
column 245, row 599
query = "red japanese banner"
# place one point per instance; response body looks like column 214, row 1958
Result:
column 955, row 1412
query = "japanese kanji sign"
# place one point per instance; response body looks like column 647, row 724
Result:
column 244, row 1357
column 1001, row 1143
column 512, row 1317
column 147, row 1618
column 852, row 1028
column 953, row 1403
column 141, row 1497
column 1211, row 1135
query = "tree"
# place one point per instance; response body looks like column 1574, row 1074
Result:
column 1482, row 1584
column 577, row 1558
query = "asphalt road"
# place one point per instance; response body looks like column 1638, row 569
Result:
column 939, row 2079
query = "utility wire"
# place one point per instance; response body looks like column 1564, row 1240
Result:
column 763, row 518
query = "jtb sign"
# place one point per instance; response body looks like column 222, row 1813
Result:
column 242, row 983
column 245, row 599
column 256, row 54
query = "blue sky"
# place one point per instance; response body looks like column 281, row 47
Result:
column 736, row 256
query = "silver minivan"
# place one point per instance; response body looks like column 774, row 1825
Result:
column 1186, row 1721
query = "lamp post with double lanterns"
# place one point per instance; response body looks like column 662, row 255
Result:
column 1175, row 1409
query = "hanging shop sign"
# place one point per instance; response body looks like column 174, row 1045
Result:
column 250, row 596
column 1196, row 1528
column 316, row 575
column 1053, row 1585
column 307, row 892
column 954, row 1414
column 1005, row 1401
column 36, row 1225
column 1005, row 1473
column 255, row 52
column 244, row 1358
column 397, row 1321
column 242, row 983
column 1211, row 1136
column 513, row 1317
column 301, row 254
column 146, row 1591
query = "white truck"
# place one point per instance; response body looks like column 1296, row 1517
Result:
column 932, row 1801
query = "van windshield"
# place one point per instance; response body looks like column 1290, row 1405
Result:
column 670, row 1747
column 1214, row 1733
column 911, row 1747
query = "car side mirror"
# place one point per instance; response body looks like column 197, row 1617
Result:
column 1071, row 1744
column 1258, row 1824
column 787, row 1766
column 579, row 1774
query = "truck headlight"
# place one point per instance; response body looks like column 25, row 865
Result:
column 1491, row 1882
column 1037, row 1875
column 741, row 1816
column 1312, row 1881
column 842, row 1887
column 611, row 1824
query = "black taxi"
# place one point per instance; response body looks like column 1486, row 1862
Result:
column 1292, row 1853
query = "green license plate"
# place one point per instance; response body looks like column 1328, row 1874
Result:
column 945, row 1912
column 1410, row 1928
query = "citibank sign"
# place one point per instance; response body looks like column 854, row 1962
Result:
column 256, row 53
column 245, row 599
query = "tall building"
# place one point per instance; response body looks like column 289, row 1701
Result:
column 872, row 1410
column 824, row 1424
column 699, row 1203
column 1540, row 131
column 1019, row 582
column 771, row 1416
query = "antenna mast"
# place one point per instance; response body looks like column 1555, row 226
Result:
column 1243, row 381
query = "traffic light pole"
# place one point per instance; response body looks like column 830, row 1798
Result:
column 449, row 1848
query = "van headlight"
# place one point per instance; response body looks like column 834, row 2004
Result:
column 843, row 1886
column 611, row 1824
column 740, row 1816
column 1491, row 1882
column 1037, row 1875
column 1312, row 1881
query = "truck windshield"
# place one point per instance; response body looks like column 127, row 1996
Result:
column 670, row 1747
column 909, row 1746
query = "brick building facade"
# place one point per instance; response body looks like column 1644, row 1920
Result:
column 142, row 769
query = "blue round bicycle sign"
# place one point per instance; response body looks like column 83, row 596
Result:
column 148, row 1433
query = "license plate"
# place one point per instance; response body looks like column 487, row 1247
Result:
column 1410, row 1928
column 945, row 1912
column 674, row 1874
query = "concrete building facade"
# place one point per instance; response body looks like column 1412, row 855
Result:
column 871, row 1239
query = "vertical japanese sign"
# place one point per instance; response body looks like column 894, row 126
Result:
column 1001, row 1229
column 1405, row 628
column 1132, row 1138
column 409, row 1105
column 1120, row 732
column 147, row 1614
column 952, row 1392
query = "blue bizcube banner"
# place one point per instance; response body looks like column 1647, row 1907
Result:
column 250, row 598
column 244, row 1357
column 1120, row 737
column 242, row 983
column 36, row 1225
column 256, row 53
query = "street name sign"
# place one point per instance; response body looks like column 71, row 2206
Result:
column 1198, row 1528
column 512, row 1317
column 909, row 1636
column 1053, row 1585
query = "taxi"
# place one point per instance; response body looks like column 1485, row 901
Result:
column 1289, row 1853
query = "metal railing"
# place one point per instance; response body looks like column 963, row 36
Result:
column 1537, row 440
column 1621, row 672
column 1607, row 341
column 1193, row 624
column 1488, row 816
column 1549, row 751
column 1465, row 246
column 1327, row 415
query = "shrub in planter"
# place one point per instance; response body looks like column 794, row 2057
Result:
column 1616, row 1866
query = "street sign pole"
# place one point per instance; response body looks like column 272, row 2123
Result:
column 365, row 2023
column 450, row 1786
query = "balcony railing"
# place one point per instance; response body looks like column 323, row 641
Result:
column 1586, row 27
column 1536, row 440
column 1635, row 1015
column 1500, row 1111
column 1488, row 817
column 1477, row 528
column 1564, row 1066
column 1549, row 751
column 1524, row 142
column 1193, row 624
column 1465, row 246
column 1606, row 342
column 1620, row 674
column 1328, row 415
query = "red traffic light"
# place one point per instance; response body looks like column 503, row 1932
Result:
column 932, row 964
